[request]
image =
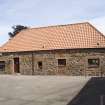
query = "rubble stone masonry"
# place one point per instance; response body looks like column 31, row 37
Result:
column 76, row 62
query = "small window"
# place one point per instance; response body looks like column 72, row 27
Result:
column 2, row 65
column 40, row 65
column 93, row 62
column 61, row 62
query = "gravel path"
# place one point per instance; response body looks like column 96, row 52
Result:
column 39, row 90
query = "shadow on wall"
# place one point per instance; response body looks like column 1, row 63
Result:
column 93, row 93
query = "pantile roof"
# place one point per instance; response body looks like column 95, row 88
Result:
column 71, row 36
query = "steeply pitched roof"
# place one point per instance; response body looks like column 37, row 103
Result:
column 71, row 36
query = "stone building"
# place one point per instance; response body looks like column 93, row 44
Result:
column 73, row 49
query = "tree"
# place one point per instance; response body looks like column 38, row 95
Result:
column 16, row 30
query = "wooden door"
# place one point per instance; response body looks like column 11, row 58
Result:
column 16, row 65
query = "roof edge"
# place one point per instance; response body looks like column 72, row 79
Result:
column 51, row 50
column 96, row 29
column 58, row 25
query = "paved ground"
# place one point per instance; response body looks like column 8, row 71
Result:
column 39, row 90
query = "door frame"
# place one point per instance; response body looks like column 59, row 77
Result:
column 16, row 65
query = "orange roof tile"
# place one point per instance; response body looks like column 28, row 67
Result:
column 71, row 36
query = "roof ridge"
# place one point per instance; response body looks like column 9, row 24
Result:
column 58, row 25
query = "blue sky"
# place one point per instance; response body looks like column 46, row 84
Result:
column 36, row 13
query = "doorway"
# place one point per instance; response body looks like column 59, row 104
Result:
column 16, row 65
column 2, row 66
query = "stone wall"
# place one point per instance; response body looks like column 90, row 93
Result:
column 8, row 64
column 76, row 62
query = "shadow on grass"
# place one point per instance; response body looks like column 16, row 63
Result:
column 92, row 93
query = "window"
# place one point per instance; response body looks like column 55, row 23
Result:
column 40, row 65
column 2, row 65
column 93, row 62
column 61, row 62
